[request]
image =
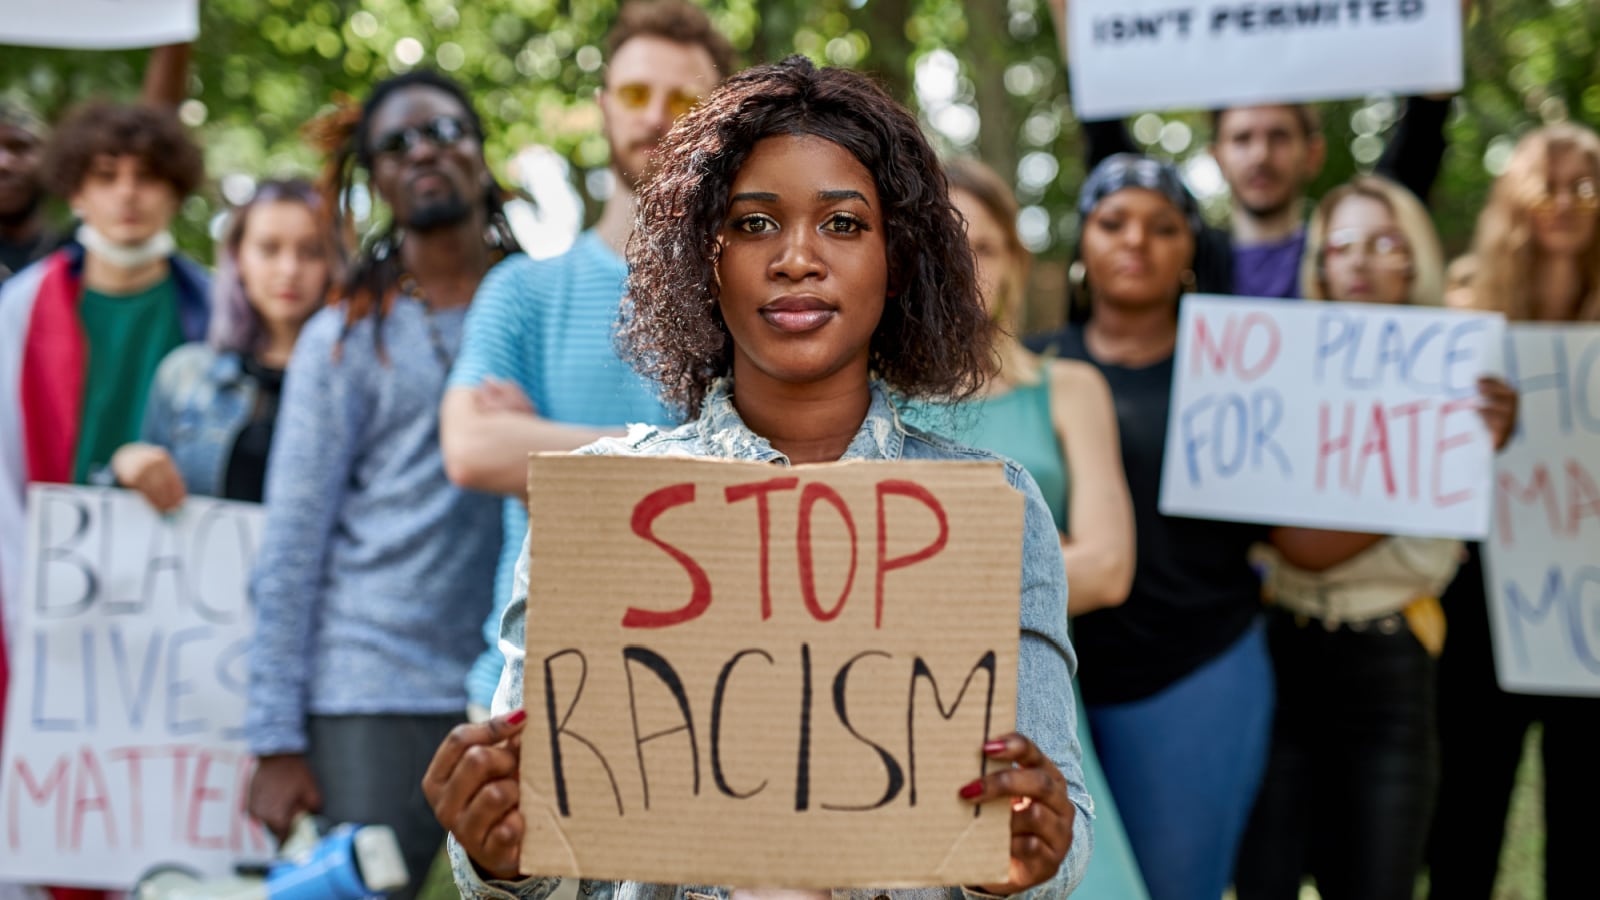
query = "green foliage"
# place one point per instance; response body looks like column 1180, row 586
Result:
column 263, row 67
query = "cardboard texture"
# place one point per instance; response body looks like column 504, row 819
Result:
column 746, row 675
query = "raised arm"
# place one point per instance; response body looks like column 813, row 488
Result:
column 1099, row 546
column 166, row 76
column 1416, row 145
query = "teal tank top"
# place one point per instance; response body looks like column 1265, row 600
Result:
column 1017, row 425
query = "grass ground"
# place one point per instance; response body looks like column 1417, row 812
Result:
column 1521, row 858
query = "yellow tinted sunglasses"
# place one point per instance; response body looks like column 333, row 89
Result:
column 637, row 96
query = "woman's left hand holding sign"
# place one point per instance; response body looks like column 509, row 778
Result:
column 1041, row 813
column 473, row 788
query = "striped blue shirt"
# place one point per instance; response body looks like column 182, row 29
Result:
column 547, row 326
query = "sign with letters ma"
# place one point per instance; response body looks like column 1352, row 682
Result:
column 1131, row 56
column 1542, row 562
column 122, row 743
column 1353, row 416
column 744, row 674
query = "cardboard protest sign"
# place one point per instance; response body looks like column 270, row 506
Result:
column 122, row 744
column 1331, row 415
column 746, row 675
column 100, row 24
column 1542, row 561
column 1130, row 56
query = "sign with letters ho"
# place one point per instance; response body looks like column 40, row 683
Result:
column 1542, row 561
column 748, row 675
column 123, row 744
column 1353, row 416
column 1131, row 56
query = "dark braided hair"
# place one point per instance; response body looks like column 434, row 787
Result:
column 371, row 280
column 934, row 339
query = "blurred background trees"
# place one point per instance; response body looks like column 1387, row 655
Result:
column 985, row 75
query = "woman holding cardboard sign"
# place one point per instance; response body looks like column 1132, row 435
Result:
column 796, row 241
column 1537, row 256
column 1355, row 625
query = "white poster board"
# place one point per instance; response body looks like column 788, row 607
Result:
column 1353, row 416
column 122, row 745
column 1130, row 56
column 1542, row 561
column 100, row 24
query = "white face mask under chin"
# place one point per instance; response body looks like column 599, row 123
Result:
column 123, row 256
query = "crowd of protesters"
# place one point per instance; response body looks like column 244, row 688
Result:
column 1237, row 705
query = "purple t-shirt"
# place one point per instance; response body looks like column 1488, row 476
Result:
column 1269, row 270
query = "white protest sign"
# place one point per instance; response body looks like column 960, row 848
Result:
column 1130, row 56
column 100, row 24
column 122, row 743
column 1542, row 561
column 1331, row 415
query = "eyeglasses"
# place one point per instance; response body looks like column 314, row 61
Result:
column 440, row 131
column 1583, row 192
column 1384, row 249
column 636, row 96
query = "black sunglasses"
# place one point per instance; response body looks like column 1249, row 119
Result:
column 440, row 131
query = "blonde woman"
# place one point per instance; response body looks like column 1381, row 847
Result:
column 1055, row 418
column 1355, row 626
column 1537, row 255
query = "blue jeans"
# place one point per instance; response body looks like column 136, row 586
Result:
column 1185, row 765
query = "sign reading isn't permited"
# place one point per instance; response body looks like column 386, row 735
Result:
column 746, row 675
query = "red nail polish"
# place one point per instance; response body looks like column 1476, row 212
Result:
column 972, row 789
column 993, row 747
column 517, row 717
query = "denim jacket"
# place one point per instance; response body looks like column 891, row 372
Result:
column 199, row 402
column 1045, row 666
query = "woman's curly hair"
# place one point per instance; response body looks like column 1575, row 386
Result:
column 934, row 339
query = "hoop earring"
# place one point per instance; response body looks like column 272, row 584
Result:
column 1077, row 273
column 1187, row 281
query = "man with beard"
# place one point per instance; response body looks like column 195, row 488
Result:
column 538, row 370
column 1269, row 154
column 374, row 570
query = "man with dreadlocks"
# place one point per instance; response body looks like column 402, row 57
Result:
column 538, row 370
column 374, row 570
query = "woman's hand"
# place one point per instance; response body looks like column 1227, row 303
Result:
column 149, row 470
column 281, row 789
column 473, row 789
column 1499, row 409
column 1041, row 813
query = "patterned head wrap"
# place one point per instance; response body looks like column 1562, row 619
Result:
column 1126, row 170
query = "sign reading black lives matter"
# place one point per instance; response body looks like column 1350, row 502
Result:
column 746, row 675
column 1131, row 56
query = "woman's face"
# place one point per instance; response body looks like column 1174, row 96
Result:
column 990, row 249
column 803, row 270
column 1366, row 258
column 1136, row 245
column 1564, row 218
column 283, row 263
